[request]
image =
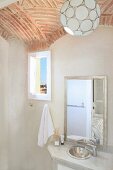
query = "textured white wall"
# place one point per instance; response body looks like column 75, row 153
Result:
column 19, row 121
column 3, row 105
column 16, row 105
column 24, row 154
column 82, row 56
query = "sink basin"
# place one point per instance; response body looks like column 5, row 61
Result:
column 79, row 152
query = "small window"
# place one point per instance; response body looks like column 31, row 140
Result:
column 39, row 84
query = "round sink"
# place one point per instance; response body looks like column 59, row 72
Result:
column 79, row 152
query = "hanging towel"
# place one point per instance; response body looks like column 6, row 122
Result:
column 46, row 128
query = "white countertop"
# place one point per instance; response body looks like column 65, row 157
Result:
column 103, row 161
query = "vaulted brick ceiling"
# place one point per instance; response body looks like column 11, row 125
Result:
column 37, row 22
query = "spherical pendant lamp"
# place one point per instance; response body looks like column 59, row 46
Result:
column 80, row 17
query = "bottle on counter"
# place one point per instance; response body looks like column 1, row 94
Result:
column 62, row 139
column 56, row 138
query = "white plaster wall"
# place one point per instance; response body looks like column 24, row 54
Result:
column 82, row 56
column 3, row 105
column 19, row 122
column 16, row 105
column 24, row 154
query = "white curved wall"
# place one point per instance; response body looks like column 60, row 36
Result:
column 4, row 46
column 82, row 56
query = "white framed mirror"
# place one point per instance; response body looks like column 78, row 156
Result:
column 39, row 75
column 86, row 108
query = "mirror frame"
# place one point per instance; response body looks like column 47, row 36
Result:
column 105, row 126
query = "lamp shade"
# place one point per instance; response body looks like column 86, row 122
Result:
column 80, row 17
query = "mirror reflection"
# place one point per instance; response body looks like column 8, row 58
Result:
column 86, row 108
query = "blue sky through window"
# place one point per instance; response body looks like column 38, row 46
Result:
column 43, row 70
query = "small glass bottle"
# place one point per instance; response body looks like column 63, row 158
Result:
column 62, row 139
column 56, row 138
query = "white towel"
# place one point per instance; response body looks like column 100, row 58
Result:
column 46, row 127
